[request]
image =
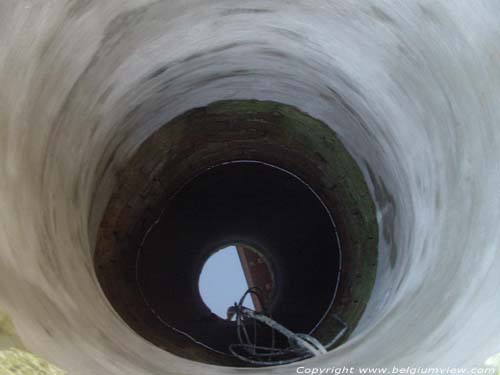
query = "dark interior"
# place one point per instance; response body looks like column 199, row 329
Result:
column 242, row 202
column 256, row 173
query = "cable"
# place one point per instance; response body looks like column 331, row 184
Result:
column 300, row 345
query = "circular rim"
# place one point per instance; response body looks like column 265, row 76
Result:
column 240, row 161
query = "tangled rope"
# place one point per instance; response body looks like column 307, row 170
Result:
column 300, row 346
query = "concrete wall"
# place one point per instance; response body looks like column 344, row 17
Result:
column 411, row 88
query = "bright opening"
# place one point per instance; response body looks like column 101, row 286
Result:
column 228, row 274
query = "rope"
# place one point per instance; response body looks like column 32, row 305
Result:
column 300, row 346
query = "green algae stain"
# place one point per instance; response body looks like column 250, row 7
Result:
column 8, row 336
column 14, row 360
column 18, row 362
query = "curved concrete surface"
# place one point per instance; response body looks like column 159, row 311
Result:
column 412, row 90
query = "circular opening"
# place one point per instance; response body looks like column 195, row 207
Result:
column 279, row 182
column 240, row 202
column 229, row 273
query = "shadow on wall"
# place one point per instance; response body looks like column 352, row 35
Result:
column 14, row 360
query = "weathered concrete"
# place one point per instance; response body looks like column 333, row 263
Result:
column 412, row 90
